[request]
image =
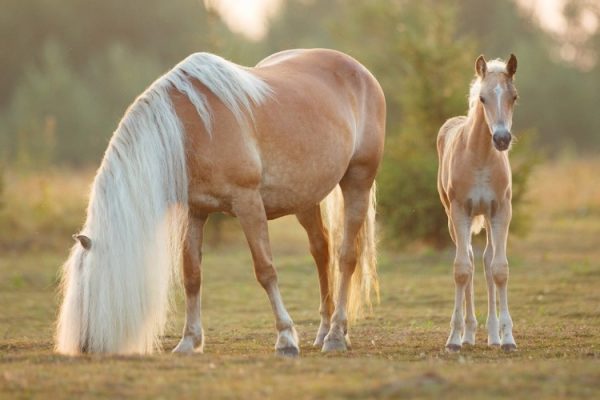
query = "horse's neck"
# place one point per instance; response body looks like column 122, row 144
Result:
column 479, row 137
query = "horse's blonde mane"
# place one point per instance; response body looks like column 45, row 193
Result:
column 115, row 293
column 493, row 66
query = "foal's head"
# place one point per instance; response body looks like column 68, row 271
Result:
column 497, row 94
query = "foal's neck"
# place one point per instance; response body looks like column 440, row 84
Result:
column 479, row 137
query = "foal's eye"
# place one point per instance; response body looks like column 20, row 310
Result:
column 481, row 99
column 515, row 97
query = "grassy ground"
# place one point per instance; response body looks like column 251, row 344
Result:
column 398, row 350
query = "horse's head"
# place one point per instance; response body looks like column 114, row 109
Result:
column 497, row 95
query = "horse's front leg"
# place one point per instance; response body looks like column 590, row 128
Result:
column 249, row 209
column 193, row 335
column 463, row 272
column 499, row 234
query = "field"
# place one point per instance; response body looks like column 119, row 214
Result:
column 398, row 350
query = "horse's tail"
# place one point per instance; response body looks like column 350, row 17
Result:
column 364, row 279
column 116, row 281
column 477, row 224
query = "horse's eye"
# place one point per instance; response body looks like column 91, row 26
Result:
column 515, row 97
column 482, row 99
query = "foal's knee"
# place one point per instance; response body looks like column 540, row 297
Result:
column 500, row 273
column 462, row 272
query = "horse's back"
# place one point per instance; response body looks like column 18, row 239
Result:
column 325, row 113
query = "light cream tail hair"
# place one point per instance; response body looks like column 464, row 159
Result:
column 364, row 279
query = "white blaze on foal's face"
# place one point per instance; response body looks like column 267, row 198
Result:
column 498, row 96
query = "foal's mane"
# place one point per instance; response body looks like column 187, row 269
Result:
column 492, row 66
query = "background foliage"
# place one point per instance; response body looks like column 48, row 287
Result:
column 70, row 68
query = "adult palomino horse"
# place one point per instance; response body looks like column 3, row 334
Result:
column 258, row 143
column 474, row 182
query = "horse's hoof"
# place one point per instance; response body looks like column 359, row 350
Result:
column 453, row 348
column 288, row 352
column 331, row 345
column 319, row 341
column 494, row 345
column 188, row 345
column 468, row 344
column 509, row 347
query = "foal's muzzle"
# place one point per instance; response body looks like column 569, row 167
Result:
column 502, row 139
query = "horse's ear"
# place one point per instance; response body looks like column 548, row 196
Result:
column 85, row 241
column 481, row 66
column 511, row 65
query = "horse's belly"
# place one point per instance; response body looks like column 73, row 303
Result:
column 298, row 192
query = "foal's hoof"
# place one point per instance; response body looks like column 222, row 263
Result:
column 453, row 348
column 288, row 352
column 509, row 347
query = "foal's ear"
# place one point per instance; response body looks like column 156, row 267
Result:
column 85, row 241
column 511, row 65
column 481, row 66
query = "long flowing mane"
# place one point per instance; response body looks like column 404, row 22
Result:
column 492, row 66
column 115, row 293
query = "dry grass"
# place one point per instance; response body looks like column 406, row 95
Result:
column 398, row 351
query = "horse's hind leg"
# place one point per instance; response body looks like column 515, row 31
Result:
column 193, row 335
column 250, row 211
column 319, row 248
column 356, row 187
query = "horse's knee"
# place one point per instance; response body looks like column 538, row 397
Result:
column 463, row 272
column 500, row 272
column 266, row 276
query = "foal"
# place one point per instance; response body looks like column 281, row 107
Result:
column 474, row 183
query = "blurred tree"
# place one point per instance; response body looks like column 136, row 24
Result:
column 556, row 94
column 68, row 77
column 424, row 66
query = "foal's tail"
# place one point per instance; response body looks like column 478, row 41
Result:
column 364, row 279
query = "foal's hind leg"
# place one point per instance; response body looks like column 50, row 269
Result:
column 356, row 187
column 193, row 336
column 319, row 248
column 250, row 211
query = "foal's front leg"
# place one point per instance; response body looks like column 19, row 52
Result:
column 499, row 234
column 249, row 209
column 463, row 272
column 193, row 335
